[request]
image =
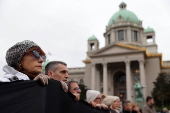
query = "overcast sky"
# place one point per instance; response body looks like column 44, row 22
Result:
column 62, row 27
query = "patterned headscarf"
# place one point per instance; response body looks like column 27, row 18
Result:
column 15, row 53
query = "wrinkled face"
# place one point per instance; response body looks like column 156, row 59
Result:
column 98, row 99
column 31, row 65
column 115, row 104
column 61, row 73
column 74, row 88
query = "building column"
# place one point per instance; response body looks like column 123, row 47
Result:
column 153, row 39
column 97, row 80
column 129, row 34
column 125, row 36
column 93, row 76
column 106, row 40
column 113, row 36
column 142, row 77
column 105, row 87
column 128, row 81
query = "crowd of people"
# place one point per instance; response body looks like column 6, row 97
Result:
column 24, row 62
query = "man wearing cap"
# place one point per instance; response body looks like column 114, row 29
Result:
column 24, row 62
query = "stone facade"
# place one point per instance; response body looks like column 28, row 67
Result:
column 130, row 54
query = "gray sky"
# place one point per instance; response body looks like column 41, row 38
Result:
column 62, row 27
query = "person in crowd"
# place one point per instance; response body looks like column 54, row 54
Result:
column 119, row 106
column 165, row 110
column 127, row 107
column 96, row 98
column 135, row 108
column 149, row 107
column 57, row 70
column 24, row 62
column 81, row 106
column 74, row 90
column 111, row 102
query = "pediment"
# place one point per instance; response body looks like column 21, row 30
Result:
column 117, row 49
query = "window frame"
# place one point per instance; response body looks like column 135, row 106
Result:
column 123, row 34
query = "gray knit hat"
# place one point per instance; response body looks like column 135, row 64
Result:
column 15, row 53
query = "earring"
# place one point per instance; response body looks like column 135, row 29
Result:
column 20, row 66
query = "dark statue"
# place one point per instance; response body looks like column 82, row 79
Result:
column 138, row 91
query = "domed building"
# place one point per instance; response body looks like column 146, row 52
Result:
column 129, row 56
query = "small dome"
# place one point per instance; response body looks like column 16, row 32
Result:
column 148, row 30
column 44, row 64
column 125, row 14
column 92, row 38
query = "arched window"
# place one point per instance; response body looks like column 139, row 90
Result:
column 92, row 46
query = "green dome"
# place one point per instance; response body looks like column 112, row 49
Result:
column 123, row 12
column 44, row 64
column 92, row 38
column 148, row 30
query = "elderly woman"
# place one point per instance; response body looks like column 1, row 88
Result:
column 24, row 61
column 95, row 98
column 112, row 103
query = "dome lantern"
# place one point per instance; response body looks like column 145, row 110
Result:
column 122, row 5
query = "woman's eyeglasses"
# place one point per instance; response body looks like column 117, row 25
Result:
column 76, row 88
column 99, row 98
column 37, row 55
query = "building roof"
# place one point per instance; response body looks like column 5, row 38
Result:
column 92, row 38
column 148, row 30
column 123, row 12
column 137, row 48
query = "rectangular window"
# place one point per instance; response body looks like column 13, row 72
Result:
column 149, row 40
column 135, row 36
column 120, row 35
column 109, row 39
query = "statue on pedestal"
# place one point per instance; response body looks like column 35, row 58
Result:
column 138, row 91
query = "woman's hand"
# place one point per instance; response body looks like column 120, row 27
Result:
column 64, row 86
column 92, row 103
column 42, row 78
column 102, row 106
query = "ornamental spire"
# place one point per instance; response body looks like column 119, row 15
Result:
column 122, row 5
